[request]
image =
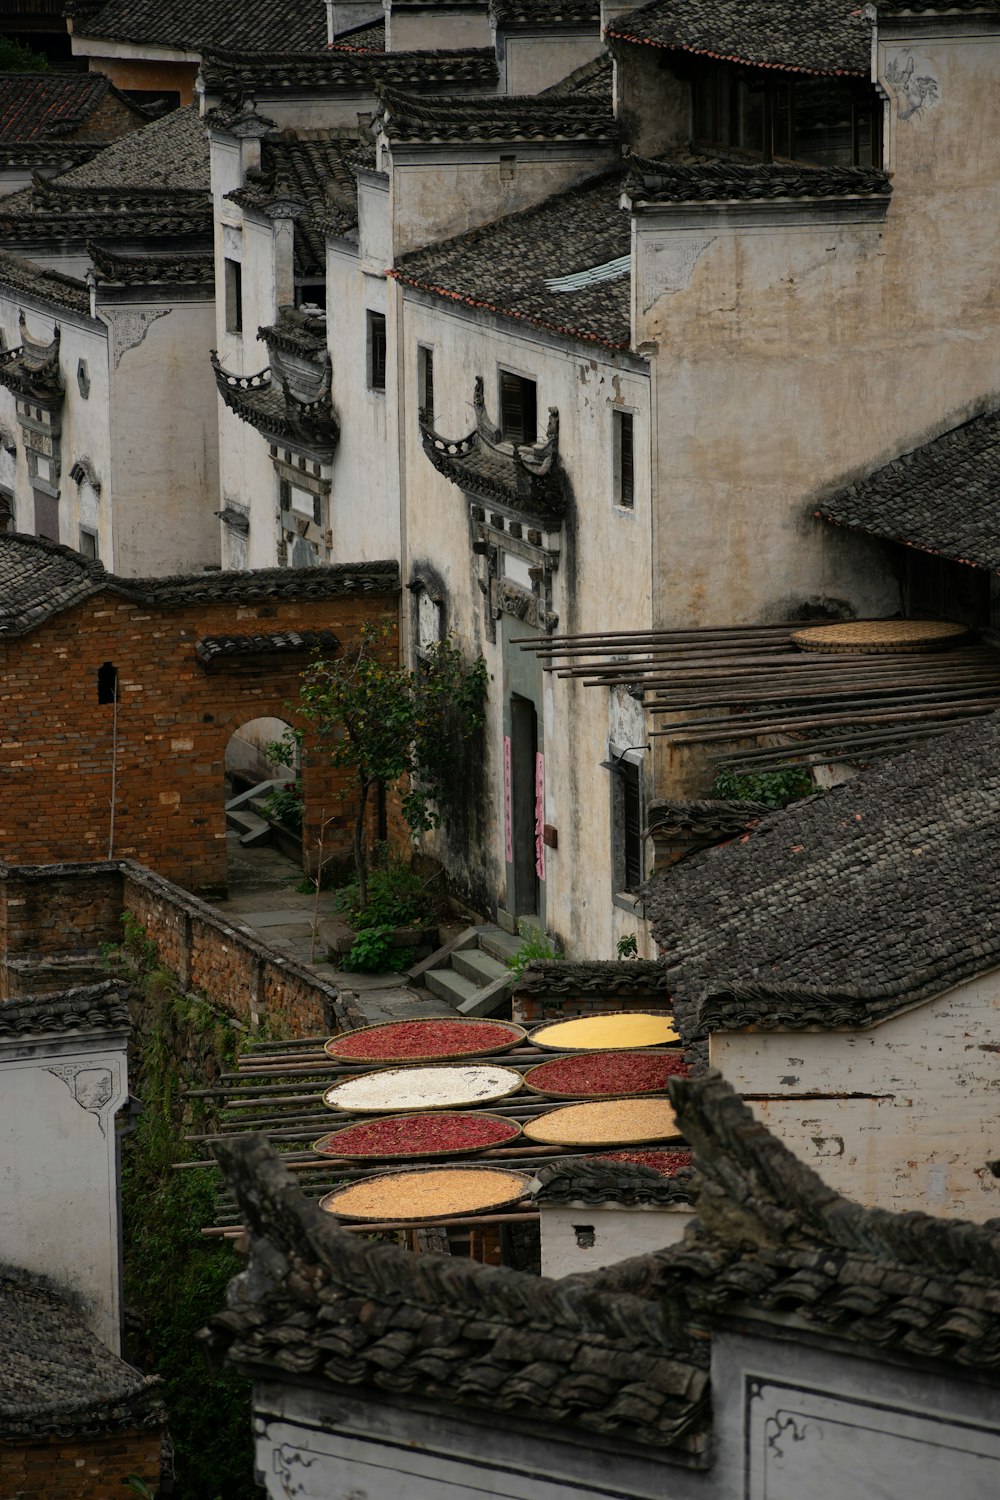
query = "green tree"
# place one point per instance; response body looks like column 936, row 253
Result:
column 394, row 727
column 15, row 58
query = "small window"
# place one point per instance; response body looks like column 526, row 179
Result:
column 107, row 683
column 234, row 296
column 626, row 792
column 376, row 351
column 518, row 409
column 425, row 381
column 7, row 522
column 46, row 516
column 88, row 542
column 624, row 460
column 311, row 294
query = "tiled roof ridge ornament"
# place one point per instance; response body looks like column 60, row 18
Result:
column 527, row 478
column 268, row 404
column 32, row 369
column 87, row 1007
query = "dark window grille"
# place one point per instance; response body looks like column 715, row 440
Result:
column 626, row 459
column 377, row 351
column 826, row 121
column 426, row 375
column 518, row 409
column 234, row 296
column 631, row 805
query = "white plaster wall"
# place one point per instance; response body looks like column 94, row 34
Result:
column 618, row 1233
column 58, row 1173
column 794, row 356
column 441, row 193
column 429, row 26
column 364, row 501
column 902, row 1115
column 246, row 750
column 86, row 422
column 164, row 475
column 603, row 582
column 533, row 63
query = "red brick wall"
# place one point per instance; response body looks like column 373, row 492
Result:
column 73, row 1469
column 112, row 119
column 174, row 722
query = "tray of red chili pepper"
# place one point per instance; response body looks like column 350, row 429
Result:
column 447, row 1133
column 432, row 1039
column 592, row 1074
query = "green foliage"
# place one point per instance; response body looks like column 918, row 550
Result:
column 535, row 945
column 627, row 946
column 397, row 897
column 773, row 788
column 284, row 805
column 136, row 954
column 16, row 58
column 393, row 727
column 175, row 1280
column 372, row 952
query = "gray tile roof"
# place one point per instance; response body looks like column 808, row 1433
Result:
column 846, row 907
column 506, row 266
column 370, row 38
column 190, row 24
column 316, row 167
column 635, row 979
column 171, row 152
column 535, row 117
column 37, row 107
column 56, row 1377
column 593, row 80
column 213, row 648
column 709, row 818
column 91, row 1007
column 719, row 179
column 40, row 579
column 597, row 1180
column 236, row 73
column 24, row 276
column 448, row 1329
column 940, row 497
column 152, row 270
column 808, row 36
column 543, row 14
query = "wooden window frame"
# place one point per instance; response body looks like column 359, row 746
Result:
column 624, row 458
column 518, row 407
column 233, row 275
column 378, row 350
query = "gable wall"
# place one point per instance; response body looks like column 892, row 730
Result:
column 905, row 1114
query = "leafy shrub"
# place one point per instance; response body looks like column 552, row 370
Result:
column 773, row 788
column 535, row 945
column 627, row 946
column 397, row 897
column 372, row 952
column 284, row 805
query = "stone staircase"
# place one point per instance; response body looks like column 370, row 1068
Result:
column 470, row 972
column 243, row 814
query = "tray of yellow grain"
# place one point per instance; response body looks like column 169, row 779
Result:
column 610, row 1031
column 404, row 1090
column 880, row 637
column 418, row 1194
column 605, row 1122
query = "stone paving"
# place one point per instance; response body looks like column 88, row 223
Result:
column 263, row 893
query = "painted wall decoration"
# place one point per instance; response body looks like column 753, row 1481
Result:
column 916, row 92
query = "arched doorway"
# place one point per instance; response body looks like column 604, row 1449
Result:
column 263, row 800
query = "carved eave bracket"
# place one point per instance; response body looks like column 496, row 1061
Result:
column 527, row 480
column 305, row 419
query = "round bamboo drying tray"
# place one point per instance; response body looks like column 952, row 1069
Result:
column 384, row 1092
column 508, row 1034
column 880, row 637
column 670, row 1063
column 322, row 1146
column 427, row 1194
column 605, row 1122
column 609, row 1031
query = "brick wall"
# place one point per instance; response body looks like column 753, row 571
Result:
column 112, row 119
column 174, row 720
column 62, row 1468
column 68, row 910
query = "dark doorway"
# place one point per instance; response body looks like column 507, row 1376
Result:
column 523, row 753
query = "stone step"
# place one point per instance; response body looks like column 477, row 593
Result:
column 499, row 945
column 261, row 790
column 478, row 966
column 251, row 829
column 454, row 988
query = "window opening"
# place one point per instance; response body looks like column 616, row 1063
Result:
column 425, row 381
column 107, row 683
column 46, row 516
column 377, row 351
column 624, row 460
column 518, row 409
column 88, row 542
column 234, row 296
column 7, row 522
column 827, row 121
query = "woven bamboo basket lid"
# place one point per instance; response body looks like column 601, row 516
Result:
column 427, row 1194
column 414, row 1135
column 608, row 1031
column 405, row 1090
column 880, row 637
column 605, row 1122
column 447, row 1038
